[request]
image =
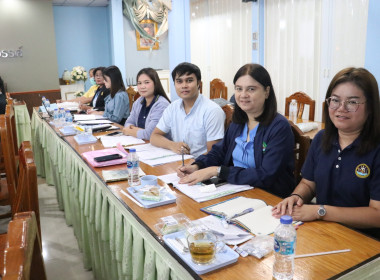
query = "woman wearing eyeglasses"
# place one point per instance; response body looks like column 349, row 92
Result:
column 342, row 168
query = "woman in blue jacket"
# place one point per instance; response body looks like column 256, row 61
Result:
column 258, row 146
column 148, row 109
column 116, row 107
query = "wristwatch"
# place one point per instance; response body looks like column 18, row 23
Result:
column 218, row 171
column 321, row 211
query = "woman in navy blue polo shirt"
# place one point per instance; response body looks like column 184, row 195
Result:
column 342, row 168
column 258, row 146
column 148, row 109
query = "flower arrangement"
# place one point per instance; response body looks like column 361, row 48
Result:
column 78, row 73
column 79, row 93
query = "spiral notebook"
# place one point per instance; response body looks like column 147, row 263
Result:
column 259, row 222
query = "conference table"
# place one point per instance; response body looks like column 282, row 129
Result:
column 119, row 241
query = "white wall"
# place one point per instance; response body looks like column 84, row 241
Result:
column 30, row 24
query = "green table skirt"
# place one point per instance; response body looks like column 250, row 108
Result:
column 114, row 244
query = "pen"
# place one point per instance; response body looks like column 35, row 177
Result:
column 226, row 220
column 183, row 157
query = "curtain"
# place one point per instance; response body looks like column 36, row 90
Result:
column 292, row 39
column 221, row 39
column 307, row 42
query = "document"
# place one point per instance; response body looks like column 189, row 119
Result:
column 197, row 193
column 153, row 156
column 84, row 117
column 92, row 122
column 258, row 221
column 112, row 141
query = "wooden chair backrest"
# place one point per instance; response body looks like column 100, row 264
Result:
column 132, row 95
column 302, row 99
column 200, row 87
column 323, row 111
column 9, row 159
column 218, row 89
column 301, row 147
column 27, row 188
column 229, row 111
column 23, row 256
column 11, row 123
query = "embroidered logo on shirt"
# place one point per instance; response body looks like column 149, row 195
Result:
column 362, row 170
column 264, row 147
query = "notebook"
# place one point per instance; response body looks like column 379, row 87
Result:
column 118, row 175
column 259, row 222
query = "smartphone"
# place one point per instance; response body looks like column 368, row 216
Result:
column 215, row 180
column 108, row 157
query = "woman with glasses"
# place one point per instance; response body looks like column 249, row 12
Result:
column 342, row 168
column 257, row 148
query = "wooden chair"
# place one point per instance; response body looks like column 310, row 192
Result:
column 301, row 147
column 8, row 186
column 229, row 111
column 11, row 123
column 218, row 89
column 200, row 87
column 22, row 257
column 132, row 95
column 302, row 99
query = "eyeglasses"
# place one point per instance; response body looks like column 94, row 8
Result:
column 349, row 105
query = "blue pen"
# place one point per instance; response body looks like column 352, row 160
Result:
column 226, row 220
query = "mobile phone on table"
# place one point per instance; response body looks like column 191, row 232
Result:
column 214, row 180
column 108, row 157
column 115, row 133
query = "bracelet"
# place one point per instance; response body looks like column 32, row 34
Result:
column 296, row 194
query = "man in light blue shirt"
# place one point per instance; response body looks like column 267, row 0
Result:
column 193, row 123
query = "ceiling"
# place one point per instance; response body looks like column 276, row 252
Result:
column 83, row 3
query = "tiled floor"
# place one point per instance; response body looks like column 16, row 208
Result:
column 63, row 260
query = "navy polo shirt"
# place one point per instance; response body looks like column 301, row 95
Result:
column 144, row 112
column 342, row 177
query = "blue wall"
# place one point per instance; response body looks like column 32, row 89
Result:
column 82, row 37
column 179, row 37
column 372, row 54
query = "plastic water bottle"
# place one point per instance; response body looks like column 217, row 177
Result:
column 55, row 117
column 293, row 111
column 285, row 237
column 43, row 100
column 62, row 116
column 47, row 103
column 68, row 118
column 133, row 168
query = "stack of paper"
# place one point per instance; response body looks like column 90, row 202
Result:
column 84, row 117
column 195, row 192
column 112, row 141
column 153, row 156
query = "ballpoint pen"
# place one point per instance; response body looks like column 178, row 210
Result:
column 226, row 220
column 183, row 157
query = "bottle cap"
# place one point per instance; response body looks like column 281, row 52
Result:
column 132, row 150
column 286, row 220
column 55, row 109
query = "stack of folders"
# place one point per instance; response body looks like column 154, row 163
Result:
column 257, row 220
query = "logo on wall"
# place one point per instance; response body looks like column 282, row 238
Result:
column 11, row 53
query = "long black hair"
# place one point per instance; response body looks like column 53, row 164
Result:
column 370, row 134
column 2, row 87
column 152, row 74
column 117, row 84
column 261, row 75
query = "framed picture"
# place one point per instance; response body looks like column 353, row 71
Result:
column 150, row 27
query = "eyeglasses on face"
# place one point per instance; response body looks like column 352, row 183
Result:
column 349, row 105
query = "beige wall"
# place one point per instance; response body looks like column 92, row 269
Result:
column 28, row 23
